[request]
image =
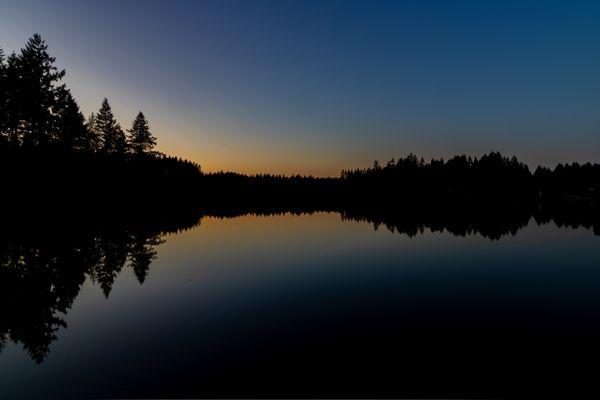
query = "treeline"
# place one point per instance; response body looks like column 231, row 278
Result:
column 37, row 111
column 49, row 150
column 569, row 182
column 490, row 177
column 486, row 183
column 48, row 146
column 461, row 178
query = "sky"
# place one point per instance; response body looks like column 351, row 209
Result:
column 312, row 87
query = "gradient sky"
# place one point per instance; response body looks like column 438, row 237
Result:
column 317, row 86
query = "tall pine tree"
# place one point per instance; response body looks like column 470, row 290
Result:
column 112, row 136
column 141, row 140
column 93, row 142
column 121, row 145
column 3, row 98
column 13, row 110
column 38, row 83
column 71, row 132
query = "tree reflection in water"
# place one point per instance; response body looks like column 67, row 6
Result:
column 43, row 267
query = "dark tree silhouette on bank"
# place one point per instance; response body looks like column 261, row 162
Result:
column 93, row 142
column 111, row 135
column 38, row 92
column 3, row 93
column 71, row 133
column 141, row 140
column 11, row 115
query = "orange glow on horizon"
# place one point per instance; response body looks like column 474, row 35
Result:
column 262, row 161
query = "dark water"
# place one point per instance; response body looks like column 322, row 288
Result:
column 305, row 305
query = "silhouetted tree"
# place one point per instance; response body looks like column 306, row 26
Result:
column 11, row 99
column 3, row 97
column 71, row 131
column 121, row 145
column 112, row 136
column 141, row 140
column 38, row 80
column 94, row 140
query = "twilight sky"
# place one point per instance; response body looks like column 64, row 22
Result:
column 312, row 87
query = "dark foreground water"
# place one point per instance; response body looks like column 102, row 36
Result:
column 303, row 305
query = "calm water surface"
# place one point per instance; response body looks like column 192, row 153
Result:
column 312, row 305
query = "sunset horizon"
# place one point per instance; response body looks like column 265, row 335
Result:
column 312, row 88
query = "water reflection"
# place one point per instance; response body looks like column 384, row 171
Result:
column 41, row 277
column 42, row 270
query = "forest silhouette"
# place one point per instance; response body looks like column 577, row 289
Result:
column 52, row 156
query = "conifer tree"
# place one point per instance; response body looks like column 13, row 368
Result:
column 13, row 113
column 141, row 140
column 3, row 97
column 93, row 142
column 71, row 132
column 108, row 128
column 121, row 145
column 38, row 84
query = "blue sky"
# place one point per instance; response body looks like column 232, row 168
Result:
column 317, row 86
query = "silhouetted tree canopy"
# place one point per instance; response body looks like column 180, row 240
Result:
column 38, row 93
column 48, row 147
column 38, row 112
column 94, row 141
column 140, row 139
column 71, row 132
column 112, row 136
column 3, row 94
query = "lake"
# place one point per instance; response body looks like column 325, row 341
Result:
column 302, row 305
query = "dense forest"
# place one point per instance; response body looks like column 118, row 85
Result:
column 38, row 112
column 52, row 156
column 50, row 151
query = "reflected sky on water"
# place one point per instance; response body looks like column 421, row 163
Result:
column 313, row 305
